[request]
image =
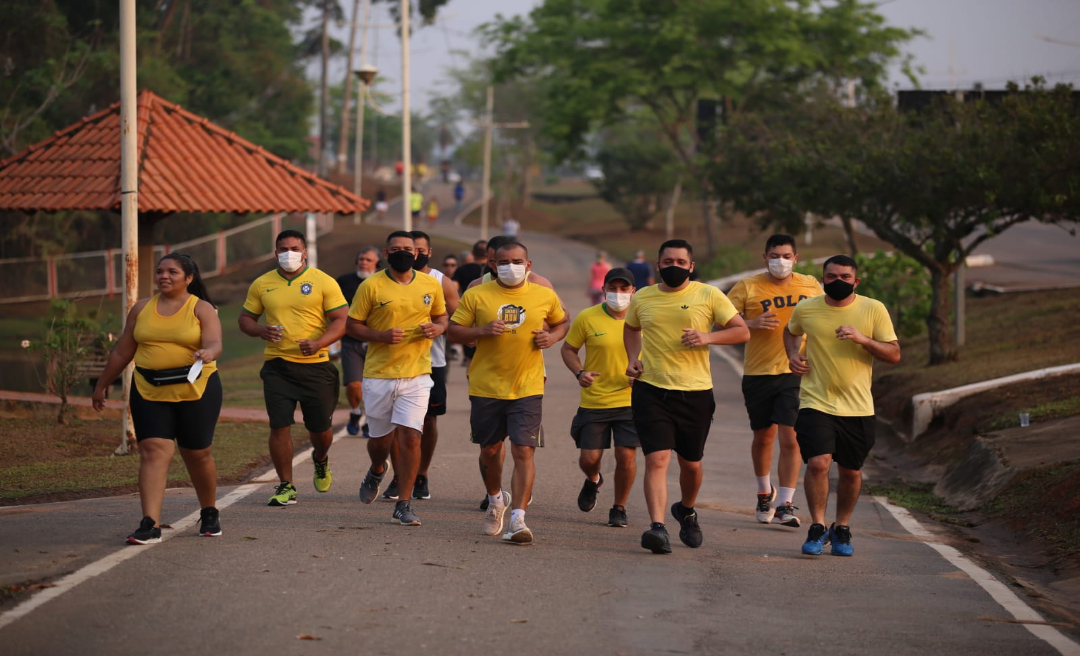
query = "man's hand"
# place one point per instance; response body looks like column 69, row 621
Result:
column 271, row 333
column 767, row 321
column 693, row 338
column 493, row 329
column 587, row 378
column 393, row 336
column 543, row 339
column 799, row 365
column 852, row 333
column 635, row 369
column 308, row 346
column 431, row 330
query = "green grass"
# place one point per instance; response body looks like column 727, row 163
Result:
column 918, row 496
column 1058, row 409
column 1043, row 505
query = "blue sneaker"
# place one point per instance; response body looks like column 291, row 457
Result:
column 815, row 540
column 840, row 536
column 353, row 427
column 364, row 430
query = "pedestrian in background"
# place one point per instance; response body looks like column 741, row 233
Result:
column 597, row 271
column 354, row 351
column 642, row 270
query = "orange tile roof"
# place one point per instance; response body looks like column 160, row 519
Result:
column 186, row 164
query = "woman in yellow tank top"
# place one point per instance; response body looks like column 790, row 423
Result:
column 175, row 339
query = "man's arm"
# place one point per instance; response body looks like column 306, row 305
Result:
column 249, row 325
column 797, row 362
column 632, row 344
column 334, row 331
column 450, row 294
column 733, row 332
column 458, row 334
column 547, row 337
column 359, row 330
column 885, row 351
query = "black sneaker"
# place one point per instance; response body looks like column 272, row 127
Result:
column 146, row 533
column 690, row 532
column 420, row 488
column 617, row 517
column 391, row 493
column 586, row 499
column 209, row 527
column 656, row 539
column 484, row 503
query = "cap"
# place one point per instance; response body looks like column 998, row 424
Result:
column 619, row 273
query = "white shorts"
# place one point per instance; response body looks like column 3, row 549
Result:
column 391, row 402
column 382, row 206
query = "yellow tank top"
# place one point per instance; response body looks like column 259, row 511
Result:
column 168, row 342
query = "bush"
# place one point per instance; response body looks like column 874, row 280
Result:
column 67, row 342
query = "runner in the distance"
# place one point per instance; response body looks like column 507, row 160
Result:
column 671, row 326
column 353, row 351
column 770, row 390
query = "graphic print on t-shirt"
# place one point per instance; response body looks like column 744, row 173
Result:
column 511, row 315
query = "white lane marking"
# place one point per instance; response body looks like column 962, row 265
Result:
column 996, row 589
column 130, row 551
column 727, row 357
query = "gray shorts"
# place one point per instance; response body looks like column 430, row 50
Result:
column 494, row 419
column 353, row 354
column 593, row 428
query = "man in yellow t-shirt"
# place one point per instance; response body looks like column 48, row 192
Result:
column 845, row 333
column 671, row 326
column 399, row 312
column 770, row 391
column 305, row 313
column 605, row 412
column 506, row 318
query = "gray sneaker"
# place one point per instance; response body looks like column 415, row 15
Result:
column 369, row 489
column 785, row 514
column 404, row 515
column 493, row 516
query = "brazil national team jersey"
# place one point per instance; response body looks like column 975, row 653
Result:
column 602, row 336
column 758, row 295
column 299, row 305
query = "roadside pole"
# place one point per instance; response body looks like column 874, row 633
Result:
column 129, row 192
column 406, row 121
column 489, row 126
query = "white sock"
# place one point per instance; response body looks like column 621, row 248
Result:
column 356, row 412
column 786, row 494
column 496, row 499
column 764, row 486
column 515, row 514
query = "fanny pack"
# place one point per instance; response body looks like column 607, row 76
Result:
column 159, row 377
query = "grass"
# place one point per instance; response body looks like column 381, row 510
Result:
column 1043, row 505
column 918, row 496
column 1069, row 406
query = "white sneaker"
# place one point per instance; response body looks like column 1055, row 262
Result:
column 493, row 517
column 764, row 510
column 518, row 532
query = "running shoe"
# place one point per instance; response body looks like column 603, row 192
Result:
column 816, row 539
column 484, row 503
column 404, row 515
column 689, row 531
column 517, row 532
column 364, row 430
column 323, row 478
column 656, row 539
column 785, row 514
column 353, row 427
column 765, row 510
column 493, row 517
column 209, row 527
column 369, row 489
column 391, row 493
column 146, row 533
column 586, row 499
column 284, row 495
column 617, row 517
column 840, row 536
column 420, row 488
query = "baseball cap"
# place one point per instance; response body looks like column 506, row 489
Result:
column 619, row 273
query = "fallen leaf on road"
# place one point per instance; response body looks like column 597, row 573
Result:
column 518, row 621
column 307, row 636
column 317, row 556
column 40, row 586
column 248, row 537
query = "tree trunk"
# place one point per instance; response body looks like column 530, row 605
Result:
column 942, row 349
column 849, row 234
column 343, row 135
column 706, row 219
column 61, row 415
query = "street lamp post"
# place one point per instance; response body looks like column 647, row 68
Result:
column 366, row 74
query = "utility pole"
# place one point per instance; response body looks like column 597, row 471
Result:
column 324, row 90
column 129, row 191
column 343, row 137
column 489, row 126
column 406, row 121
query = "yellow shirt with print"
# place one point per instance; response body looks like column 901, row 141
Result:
column 758, row 295
column 384, row 303
column 840, row 370
column 299, row 306
column 508, row 366
column 602, row 336
column 661, row 316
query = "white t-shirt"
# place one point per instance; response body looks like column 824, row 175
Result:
column 438, row 345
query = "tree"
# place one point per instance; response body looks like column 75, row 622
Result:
column 66, row 343
column 639, row 172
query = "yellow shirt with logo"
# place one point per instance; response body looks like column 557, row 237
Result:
column 383, row 303
column 299, row 306
column 661, row 316
column 840, row 370
column 508, row 366
column 602, row 336
column 758, row 295
column 168, row 343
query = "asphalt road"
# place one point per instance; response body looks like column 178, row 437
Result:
column 1031, row 255
column 335, row 570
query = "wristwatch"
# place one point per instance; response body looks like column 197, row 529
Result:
column 578, row 374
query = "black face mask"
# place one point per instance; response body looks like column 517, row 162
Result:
column 400, row 261
column 674, row 276
column 494, row 271
column 838, row 290
column 421, row 261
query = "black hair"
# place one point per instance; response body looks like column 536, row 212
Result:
column 295, row 234
column 396, row 234
column 509, row 242
column 842, row 260
column 420, row 234
column 780, row 240
column 675, row 243
column 479, row 249
column 450, row 255
column 498, row 241
column 196, row 287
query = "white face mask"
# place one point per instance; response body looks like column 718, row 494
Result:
column 290, row 260
column 511, row 275
column 780, row 268
column 618, row 301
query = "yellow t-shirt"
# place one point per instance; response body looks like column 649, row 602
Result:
column 509, row 366
column 602, row 336
column 757, row 295
column 840, row 370
column 167, row 343
column 299, row 305
column 662, row 317
column 384, row 303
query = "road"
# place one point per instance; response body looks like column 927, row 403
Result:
column 332, row 569
column 1030, row 255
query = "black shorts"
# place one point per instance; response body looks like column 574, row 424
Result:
column 672, row 419
column 847, row 439
column 437, row 399
column 594, row 428
column 314, row 385
column 190, row 423
column 771, row 400
column 353, row 354
column 493, row 420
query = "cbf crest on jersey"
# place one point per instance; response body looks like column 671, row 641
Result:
column 512, row 315
column 305, row 288
column 427, row 299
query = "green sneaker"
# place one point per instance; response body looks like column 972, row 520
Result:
column 284, row 495
column 323, row 478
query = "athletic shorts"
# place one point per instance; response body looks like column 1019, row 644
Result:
column 190, row 423
column 391, row 402
column 314, row 385
column 672, row 419
column 437, row 401
column 593, row 428
column 493, row 420
column 353, row 354
column 771, row 400
column 847, row 439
